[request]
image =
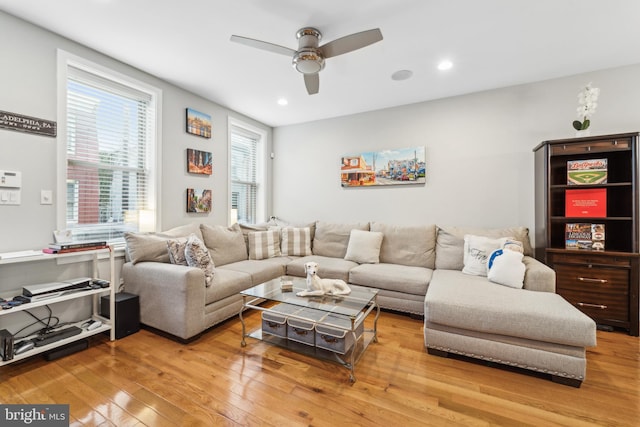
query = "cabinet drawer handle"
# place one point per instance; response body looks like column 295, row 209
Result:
column 587, row 279
column 600, row 306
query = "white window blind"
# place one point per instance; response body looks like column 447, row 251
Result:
column 244, row 174
column 110, row 130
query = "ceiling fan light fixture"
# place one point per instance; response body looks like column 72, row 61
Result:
column 308, row 61
column 309, row 58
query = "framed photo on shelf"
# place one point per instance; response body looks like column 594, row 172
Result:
column 198, row 201
column 199, row 162
column 198, row 123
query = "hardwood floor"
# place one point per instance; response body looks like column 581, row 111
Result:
column 146, row 379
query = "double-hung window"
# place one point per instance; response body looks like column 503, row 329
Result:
column 109, row 154
column 246, row 147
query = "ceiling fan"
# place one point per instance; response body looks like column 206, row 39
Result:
column 309, row 58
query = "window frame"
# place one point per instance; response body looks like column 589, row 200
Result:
column 261, row 168
column 154, row 150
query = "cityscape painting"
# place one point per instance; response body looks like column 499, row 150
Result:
column 200, row 162
column 198, row 201
column 198, row 123
column 388, row 167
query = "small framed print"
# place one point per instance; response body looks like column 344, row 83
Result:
column 198, row 123
column 199, row 162
column 198, row 201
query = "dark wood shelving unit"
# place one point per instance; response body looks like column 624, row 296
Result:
column 602, row 284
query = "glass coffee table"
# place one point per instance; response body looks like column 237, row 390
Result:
column 328, row 327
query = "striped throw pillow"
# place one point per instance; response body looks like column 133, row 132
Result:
column 264, row 244
column 296, row 241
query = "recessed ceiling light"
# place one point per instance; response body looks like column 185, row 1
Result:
column 282, row 101
column 445, row 65
column 402, row 75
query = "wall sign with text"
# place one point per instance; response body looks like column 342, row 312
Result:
column 27, row 124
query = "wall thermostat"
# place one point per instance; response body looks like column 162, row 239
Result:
column 10, row 187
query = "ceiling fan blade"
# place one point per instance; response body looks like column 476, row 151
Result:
column 312, row 82
column 259, row 44
column 351, row 42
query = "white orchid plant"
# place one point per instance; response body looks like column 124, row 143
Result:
column 586, row 106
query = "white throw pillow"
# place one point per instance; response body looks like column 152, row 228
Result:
column 476, row 253
column 364, row 247
column 264, row 244
column 197, row 255
column 506, row 268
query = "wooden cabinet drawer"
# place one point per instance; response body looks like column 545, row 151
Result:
column 602, row 293
column 589, row 259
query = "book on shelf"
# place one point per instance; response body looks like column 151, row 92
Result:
column 77, row 245
column 587, row 172
column 586, row 202
column 69, row 250
column 584, row 236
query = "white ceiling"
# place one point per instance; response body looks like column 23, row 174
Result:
column 492, row 43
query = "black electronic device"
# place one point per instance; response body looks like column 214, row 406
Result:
column 57, row 335
column 67, row 349
column 23, row 346
column 6, row 344
column 22, row 299
column 127, row 307
column 100, row 283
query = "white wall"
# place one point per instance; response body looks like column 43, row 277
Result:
column 28, row 86
column 478, row 149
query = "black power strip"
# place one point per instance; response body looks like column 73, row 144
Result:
column 48, row 338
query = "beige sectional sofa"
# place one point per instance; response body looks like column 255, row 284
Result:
column 416, row 269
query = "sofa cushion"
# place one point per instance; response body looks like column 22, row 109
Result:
column 260, row 270
column 364, row 247
column 331, row 239
column 450, row 243
column 407, row 245
column 473, row 303
column 264, row 244
column 505, row 267
column 477, row 250
column 226, row 283
column 153, row 246
column 328, row 267
column 393, row 277
column 225, row 244
column 197, row 255
column 176, row 249
column 295, row 241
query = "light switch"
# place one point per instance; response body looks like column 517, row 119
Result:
column 9, row 197
column 46, row 197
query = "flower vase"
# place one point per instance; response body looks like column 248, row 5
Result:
column 582, row 133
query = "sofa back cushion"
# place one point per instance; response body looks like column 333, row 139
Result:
column 364, row 247
column 153, row 246
column 264, row 244
column 332, row 239
column 407, row 245
column 450, row 243
column 226, row 244
column 295, row 241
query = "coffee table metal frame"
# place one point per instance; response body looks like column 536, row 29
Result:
column 356, row 307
